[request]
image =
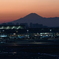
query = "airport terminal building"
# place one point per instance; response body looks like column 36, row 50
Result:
column 11, row 27
column 19, row 31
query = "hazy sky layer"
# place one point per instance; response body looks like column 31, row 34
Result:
column 14, row 9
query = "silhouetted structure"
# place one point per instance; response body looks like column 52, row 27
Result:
column 34, row 18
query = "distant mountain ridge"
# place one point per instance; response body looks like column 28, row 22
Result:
column 35, row 18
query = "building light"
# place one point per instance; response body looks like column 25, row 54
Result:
column 18, row 27
column 14, row 33
column 27, row 30
column 46, row 35
column 3, row 30
column 3, row 35
column 2, row 27
column 37, row 33
column 50, row 30
column 41, row 35
column 13, row 27
column 7, row 27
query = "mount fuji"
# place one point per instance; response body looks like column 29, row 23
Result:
column 35, row 18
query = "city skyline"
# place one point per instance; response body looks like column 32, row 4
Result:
column 11, row 10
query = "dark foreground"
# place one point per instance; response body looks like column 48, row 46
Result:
column 29, row 51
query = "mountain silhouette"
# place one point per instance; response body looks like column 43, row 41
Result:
column 35, row 18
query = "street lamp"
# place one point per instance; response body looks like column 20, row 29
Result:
column 27, row 33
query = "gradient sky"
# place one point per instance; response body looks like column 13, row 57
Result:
column 14, row 9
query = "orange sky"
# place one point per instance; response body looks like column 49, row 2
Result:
column 14, row 9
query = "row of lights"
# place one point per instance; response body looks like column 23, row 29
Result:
column 8, row 27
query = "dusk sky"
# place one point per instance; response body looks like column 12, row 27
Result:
column 14, row 9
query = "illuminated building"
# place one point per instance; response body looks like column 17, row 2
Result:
column 18, row 31
column 11, row 27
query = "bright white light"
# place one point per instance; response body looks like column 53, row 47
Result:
column 3, row 35
column 14, row 33
column 18, row 27
column 46, row 35
column 2, row 27
column 27, row 30
column 13, row 27
column 3, row 30
column 41, row 35
column 50, row 29
column 35, row 35
column 7, row 27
